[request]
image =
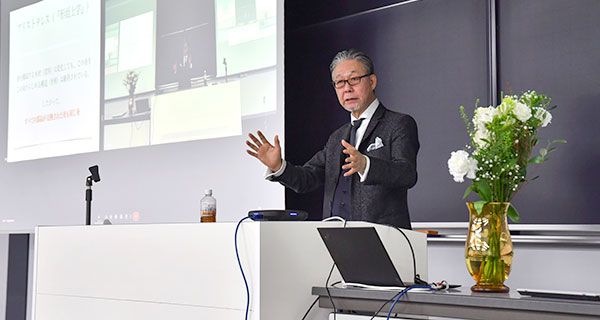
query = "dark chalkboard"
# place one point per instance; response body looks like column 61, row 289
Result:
column 432, row 56
column 553, row 46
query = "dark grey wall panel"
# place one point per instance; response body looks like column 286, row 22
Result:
column 302, row 13
column 430, row 57
column 553, row 46
column 17, row 273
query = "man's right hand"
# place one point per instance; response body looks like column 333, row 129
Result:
column 268, row 154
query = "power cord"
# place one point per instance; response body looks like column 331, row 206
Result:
column 334, row 218
column 396, row 298
column 419, row 283
column 310, row 308
column 315, row 301
column 417, row 277
column 237, row 255
column 328, row 292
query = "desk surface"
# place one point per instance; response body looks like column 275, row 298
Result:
column 461, row 303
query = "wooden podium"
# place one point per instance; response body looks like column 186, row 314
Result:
column 190, row 271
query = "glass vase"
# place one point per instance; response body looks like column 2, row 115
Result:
column 130, row 105
column 489, row 250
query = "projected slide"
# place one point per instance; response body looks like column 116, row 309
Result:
column 54, row 79
column 201, row 113
column 185, row 44
column 129, row 46
column 215, row 65
column 174, row 71
column 246, row 35
column 160, row 94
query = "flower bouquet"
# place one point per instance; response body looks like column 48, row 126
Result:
column 501, row 142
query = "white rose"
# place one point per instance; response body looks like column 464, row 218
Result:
column 460, row 164
column 484, row 116
column 522, row 111
column 543, row 115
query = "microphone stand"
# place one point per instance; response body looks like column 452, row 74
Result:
column 225, row 63
column 88, row 200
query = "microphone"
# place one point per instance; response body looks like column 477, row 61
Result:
column 94, row 177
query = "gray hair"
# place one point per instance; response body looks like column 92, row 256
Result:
column 352, row 54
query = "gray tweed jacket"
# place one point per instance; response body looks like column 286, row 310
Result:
column 381, row 198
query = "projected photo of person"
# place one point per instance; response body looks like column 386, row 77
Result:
column 183, row 68
column 186, row 51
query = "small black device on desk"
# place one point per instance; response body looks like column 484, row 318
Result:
column 559, row 294
column 277, row 215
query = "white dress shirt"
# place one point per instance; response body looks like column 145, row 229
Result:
column 367, row 115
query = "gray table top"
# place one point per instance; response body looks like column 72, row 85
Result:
column 463, row 297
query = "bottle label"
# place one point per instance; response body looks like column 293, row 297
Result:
column 208, row 213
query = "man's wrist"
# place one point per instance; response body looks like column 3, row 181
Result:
column 363, row 176
column 278, row 167
column 273, row 174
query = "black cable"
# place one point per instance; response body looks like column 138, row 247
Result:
column 396, row 298
column 317, row 299
column 384, row 304
column 417, row 278
column 328, row 292
column 242, row 269
column 310, row 308
column 327, row 283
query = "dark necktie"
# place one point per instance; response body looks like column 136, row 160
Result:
column 342, row 200
column 355, row 126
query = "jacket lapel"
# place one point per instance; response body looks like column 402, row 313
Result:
column 340, row 148
column 377, row 116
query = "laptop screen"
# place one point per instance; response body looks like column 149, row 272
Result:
column 360, row 256
column 142, row 105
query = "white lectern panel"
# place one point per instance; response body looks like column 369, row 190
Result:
column 190, row 270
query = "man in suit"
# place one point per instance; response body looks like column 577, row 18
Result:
column 367, row 165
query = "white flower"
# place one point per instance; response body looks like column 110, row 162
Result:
column 508, row 103
column 460, row 164
column 522, row 111
column 543, row 115
column 480, row 136
column 484, row 116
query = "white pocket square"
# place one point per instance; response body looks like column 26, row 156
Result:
column 376, row 145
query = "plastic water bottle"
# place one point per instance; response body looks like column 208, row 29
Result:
column 208, row 207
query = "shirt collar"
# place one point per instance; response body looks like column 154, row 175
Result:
column 368, row 113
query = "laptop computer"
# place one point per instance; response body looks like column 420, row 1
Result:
column 361, row 257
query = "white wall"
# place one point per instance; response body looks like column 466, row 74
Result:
column 535, row 266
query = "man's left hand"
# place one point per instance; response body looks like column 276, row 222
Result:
column 355, row 162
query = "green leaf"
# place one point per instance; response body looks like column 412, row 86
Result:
column 478, row 205
column 536, row 159
column 482, row 187
column 563, row 141
column 468, row 191
column 513, row 214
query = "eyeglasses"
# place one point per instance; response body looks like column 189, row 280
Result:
column 352, row 81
